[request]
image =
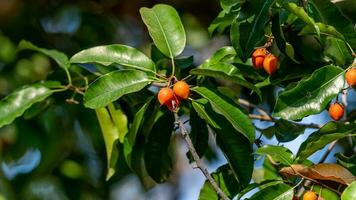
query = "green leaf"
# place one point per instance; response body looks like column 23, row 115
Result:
column 137, row 122
column 165, row 28
column 253, row 186
column 120, row 121
column 228, row 4
column 224, row 54
column 328, row 13
column 60, row 58
column 225, row 71
column 157, row 160
column 239, row 120
column 235, row 146
column 284, row 130
column 325, row 193
column 311, row 95
column 324, row 29
column 115, row 53
column 279, row 154
column 221, row 22
column 350, row 192
column 199, row 133
column 199, row 108
column 110, row 134
column 275, row 192
column 112, row 86
column 249, row 33
column 328, row 133
column 226, row 181
column 301, row 14
column 268, row 171
column 338, row 51
column 349, row 162
column 16, row 103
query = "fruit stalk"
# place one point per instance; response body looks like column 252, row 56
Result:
column 197, row 160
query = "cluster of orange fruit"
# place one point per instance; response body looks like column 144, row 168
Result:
column 262, row 58
column 172, row 98
column 336, row 110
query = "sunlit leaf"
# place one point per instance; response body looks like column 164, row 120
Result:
column 111, row 86
column 274, row 192
column 278, row 154
column 165, row 28
column 350, row 192
column 311, row 95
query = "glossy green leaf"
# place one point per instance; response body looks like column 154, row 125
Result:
column 115, row 53
column 328, row 133
column 235, row 146
column 350, row 192
column 137, row 122
column 224, row 54
column 274, row 192
column 324, row 29
column 226, row 181
column 284, row 130
column 16, row 103
column 338, row 51
column 110, row 134
column 311, row 95
column 279, row 154
column 165, row 29
column 198, row 106
column 325, row 193
column 60, row 58
column 112, row 86
column 245, row 35
column 301, row 14
column 239, row 120
column 328, row 13
column 225, row 71
column 120, row 121
column 157, row 160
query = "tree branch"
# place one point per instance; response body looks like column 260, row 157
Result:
column 196, row 158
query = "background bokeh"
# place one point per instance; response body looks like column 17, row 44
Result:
column 59, row 153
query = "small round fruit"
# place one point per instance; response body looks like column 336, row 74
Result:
column 310, row 195
column 258, row 57
column 181, row 90
column 351, row 77
column 165, row 95
column 336, row 111
column 270, row 64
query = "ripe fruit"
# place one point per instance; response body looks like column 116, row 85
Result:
column 165, row 95
column 336, row 111
column 258, row 57
column 270, row 64
column 181, row 90
column 310, row 195
column 351, row 77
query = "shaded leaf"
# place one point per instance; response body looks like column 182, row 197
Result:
column 324, row 29
column 221, row 22
column 328, row 133
column 110, row 134
column 16, row 103
column 226, row 181
column 349, row 162
column 284, row 130
column 239, row 120
column 112, row 86
column 338, row 51
column 253, row 186
column 165, row 28
column 311, row 95
column 274, row 192
column 199, row 108
column 279, row 154
column 199, row 132
column 323, row 171
column 115, row 53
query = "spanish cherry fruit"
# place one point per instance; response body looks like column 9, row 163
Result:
column 351, row 77
column 270, row 64
column 165, row 95
column 258, row 57
column 336, row 111
column 181, row 90
column 310, row 195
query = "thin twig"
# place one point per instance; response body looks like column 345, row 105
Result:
column 198, row 161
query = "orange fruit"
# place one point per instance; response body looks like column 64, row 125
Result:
column 181, row 90
column 310, row 195
column 336, row 111
column 270, row 64
column 258, row 57
column 351, row 77
column 165, row 95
